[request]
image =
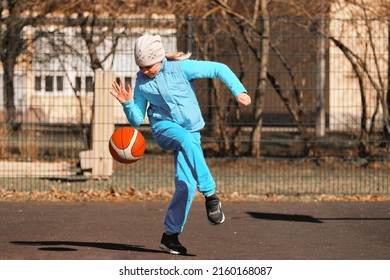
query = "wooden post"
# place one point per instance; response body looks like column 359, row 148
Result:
column 99, row 159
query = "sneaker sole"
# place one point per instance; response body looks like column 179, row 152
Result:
column 170, row 251
column 223, row 219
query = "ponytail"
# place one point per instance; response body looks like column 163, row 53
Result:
column 177, row 55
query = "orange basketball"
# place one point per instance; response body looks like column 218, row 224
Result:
column 127, row 145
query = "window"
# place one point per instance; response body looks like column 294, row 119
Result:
column 89, row 84
column 127, row 81
column 49, row 83
column 38, row 85
column 60, row 83
column 78, row 84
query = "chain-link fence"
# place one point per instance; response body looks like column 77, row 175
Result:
column 319, row 122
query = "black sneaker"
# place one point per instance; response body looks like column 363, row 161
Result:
column 170, row 244
column 214, row 210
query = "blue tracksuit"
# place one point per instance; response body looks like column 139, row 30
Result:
column 175, row 121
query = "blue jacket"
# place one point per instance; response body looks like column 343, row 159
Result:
column 171, row 95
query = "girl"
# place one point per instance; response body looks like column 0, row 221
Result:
column 164, row 81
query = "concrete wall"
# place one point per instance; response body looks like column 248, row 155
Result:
column 345, row 99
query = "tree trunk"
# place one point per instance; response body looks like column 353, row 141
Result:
column 262, row 87
column 9, row 93
column 224, row 140
column 385, row 130
column 320, row 82
column 9, row 62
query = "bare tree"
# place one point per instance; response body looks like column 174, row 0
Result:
column 366, row 73
column 368, row 68
column 257, row 39
column 249, row 20
column 15, row 15
column 12, row 42
column 262, row 82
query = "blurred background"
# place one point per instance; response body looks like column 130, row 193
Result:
column 317, row 71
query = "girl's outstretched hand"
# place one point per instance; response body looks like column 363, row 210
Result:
column 243, row 99
column 120, row 93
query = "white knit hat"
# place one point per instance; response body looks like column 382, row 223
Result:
column 148, row 50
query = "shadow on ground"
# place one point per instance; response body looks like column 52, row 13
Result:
column 59, row 246
column 305, row 218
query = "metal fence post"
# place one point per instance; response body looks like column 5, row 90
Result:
column 189, row 22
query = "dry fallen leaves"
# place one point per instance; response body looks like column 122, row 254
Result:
column 111, row 195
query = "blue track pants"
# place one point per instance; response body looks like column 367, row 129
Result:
column 191, row 170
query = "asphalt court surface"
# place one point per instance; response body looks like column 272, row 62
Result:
column 263, row 230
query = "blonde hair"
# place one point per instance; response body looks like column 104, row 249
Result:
column 177, row 55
